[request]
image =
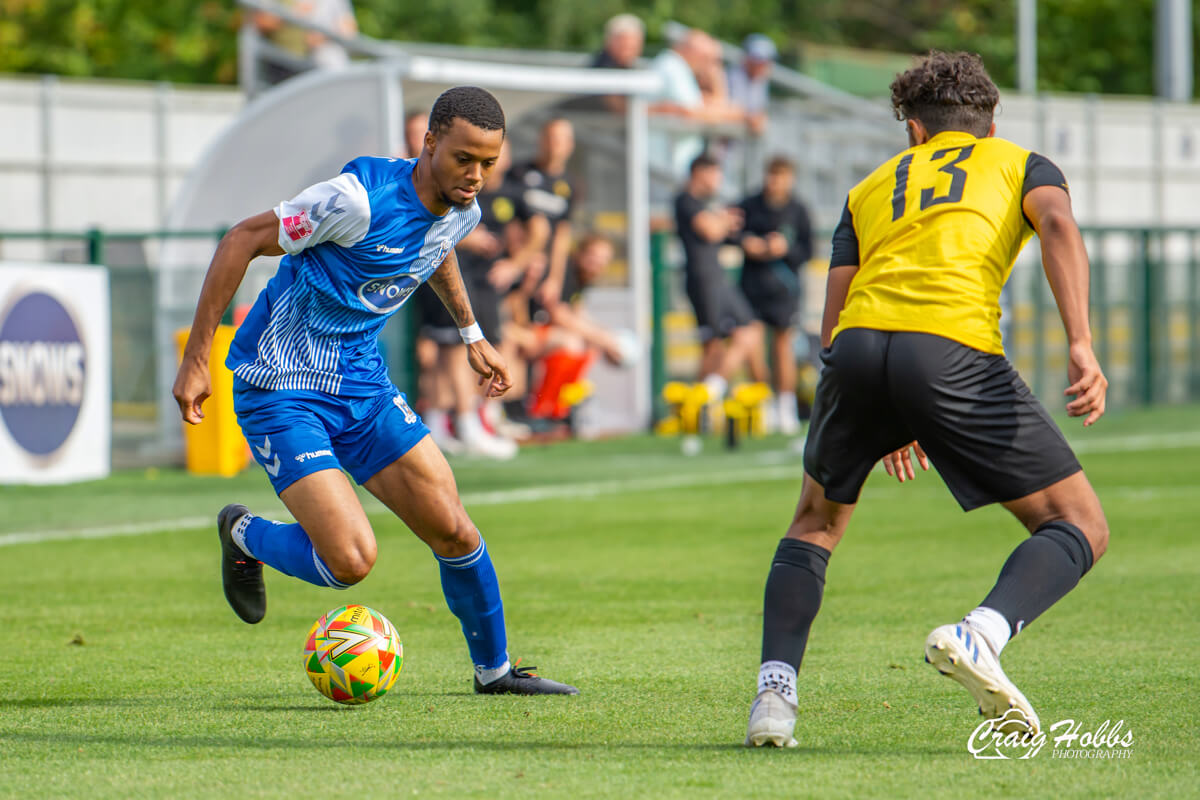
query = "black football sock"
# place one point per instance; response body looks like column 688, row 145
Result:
column 792, row 598
column 1039, row 573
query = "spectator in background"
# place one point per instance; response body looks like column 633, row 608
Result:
column 570, row 325
column 435, row 393
column 337, row 17
column 564, row 339
column 777, row 241
column 304, row 45
column 710, row 76
column 749, row 81
column 687, row 67
column 508, row 244
column 550, row 192
column 457, row 412
column 722, row 313
column 416, row 122
column 624, row 38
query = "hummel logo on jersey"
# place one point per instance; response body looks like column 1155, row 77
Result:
column 265, row 451
column 297, row 226
column 313, row 454
column 383, row 248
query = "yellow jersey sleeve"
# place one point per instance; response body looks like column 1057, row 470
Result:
column 937, row 229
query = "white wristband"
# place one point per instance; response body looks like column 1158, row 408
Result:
column 471, row 333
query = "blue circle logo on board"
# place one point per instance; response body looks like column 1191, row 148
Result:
column 43, row 370
column 384, row 295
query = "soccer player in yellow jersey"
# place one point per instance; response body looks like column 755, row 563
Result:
column 913, row 358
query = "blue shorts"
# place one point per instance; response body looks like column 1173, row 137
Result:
column 297, row 433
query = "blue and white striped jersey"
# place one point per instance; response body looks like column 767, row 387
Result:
column 357, row 247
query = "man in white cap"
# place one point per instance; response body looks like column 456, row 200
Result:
column 748, row 81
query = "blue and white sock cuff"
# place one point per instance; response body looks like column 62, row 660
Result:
column 326, row 575
column 467, row 561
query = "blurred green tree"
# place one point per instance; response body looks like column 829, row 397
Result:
column 1084, row 45
column 170, row 40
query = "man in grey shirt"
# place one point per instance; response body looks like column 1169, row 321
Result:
column 748, row 82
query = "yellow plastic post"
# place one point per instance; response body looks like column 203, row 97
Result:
column 695, row 401
column 753, row 397
column 572, row 394
column 215, row 446
column 674, row 395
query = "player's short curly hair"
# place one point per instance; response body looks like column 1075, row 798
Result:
column 947, row 92
column 470, row 103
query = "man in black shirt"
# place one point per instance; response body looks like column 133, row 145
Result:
column 722, row 313
column 777, row 242
column 550, row 193
column 624, row 37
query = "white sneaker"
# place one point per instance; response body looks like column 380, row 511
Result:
column 478, row 442
column 439, row 430
column 958, row 651
column 789, row 417
column 490, row 446
column 500, row 425
column 772, row 720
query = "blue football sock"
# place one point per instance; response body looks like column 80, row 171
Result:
column 285, row 547
column 473, row 594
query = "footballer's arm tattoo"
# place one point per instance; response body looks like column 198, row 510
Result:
column 448, row 283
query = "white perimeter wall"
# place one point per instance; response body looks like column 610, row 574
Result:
column 76, row 154
column 1130, row 162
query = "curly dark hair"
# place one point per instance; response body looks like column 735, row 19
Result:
column 470, row 103
column 947, row 92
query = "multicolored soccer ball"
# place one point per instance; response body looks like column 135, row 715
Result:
column 353, row 655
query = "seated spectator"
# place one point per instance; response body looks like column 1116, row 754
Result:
column 569, row 324
column 564, row 340
column 777, row 241
column 724, row 320
column 749, row 81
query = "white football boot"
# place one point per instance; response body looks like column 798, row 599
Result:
column 958, row 651
column 772, row 720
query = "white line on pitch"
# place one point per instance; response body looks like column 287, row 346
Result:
column 789, row 471
column 470, row 499
column 104, row 531
column 1145, row 441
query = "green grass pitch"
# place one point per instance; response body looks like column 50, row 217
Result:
column 629, row 570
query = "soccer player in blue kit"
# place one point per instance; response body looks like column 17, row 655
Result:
column 312, row 394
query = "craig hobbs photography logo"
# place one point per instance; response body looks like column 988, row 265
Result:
column 1012, row 737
